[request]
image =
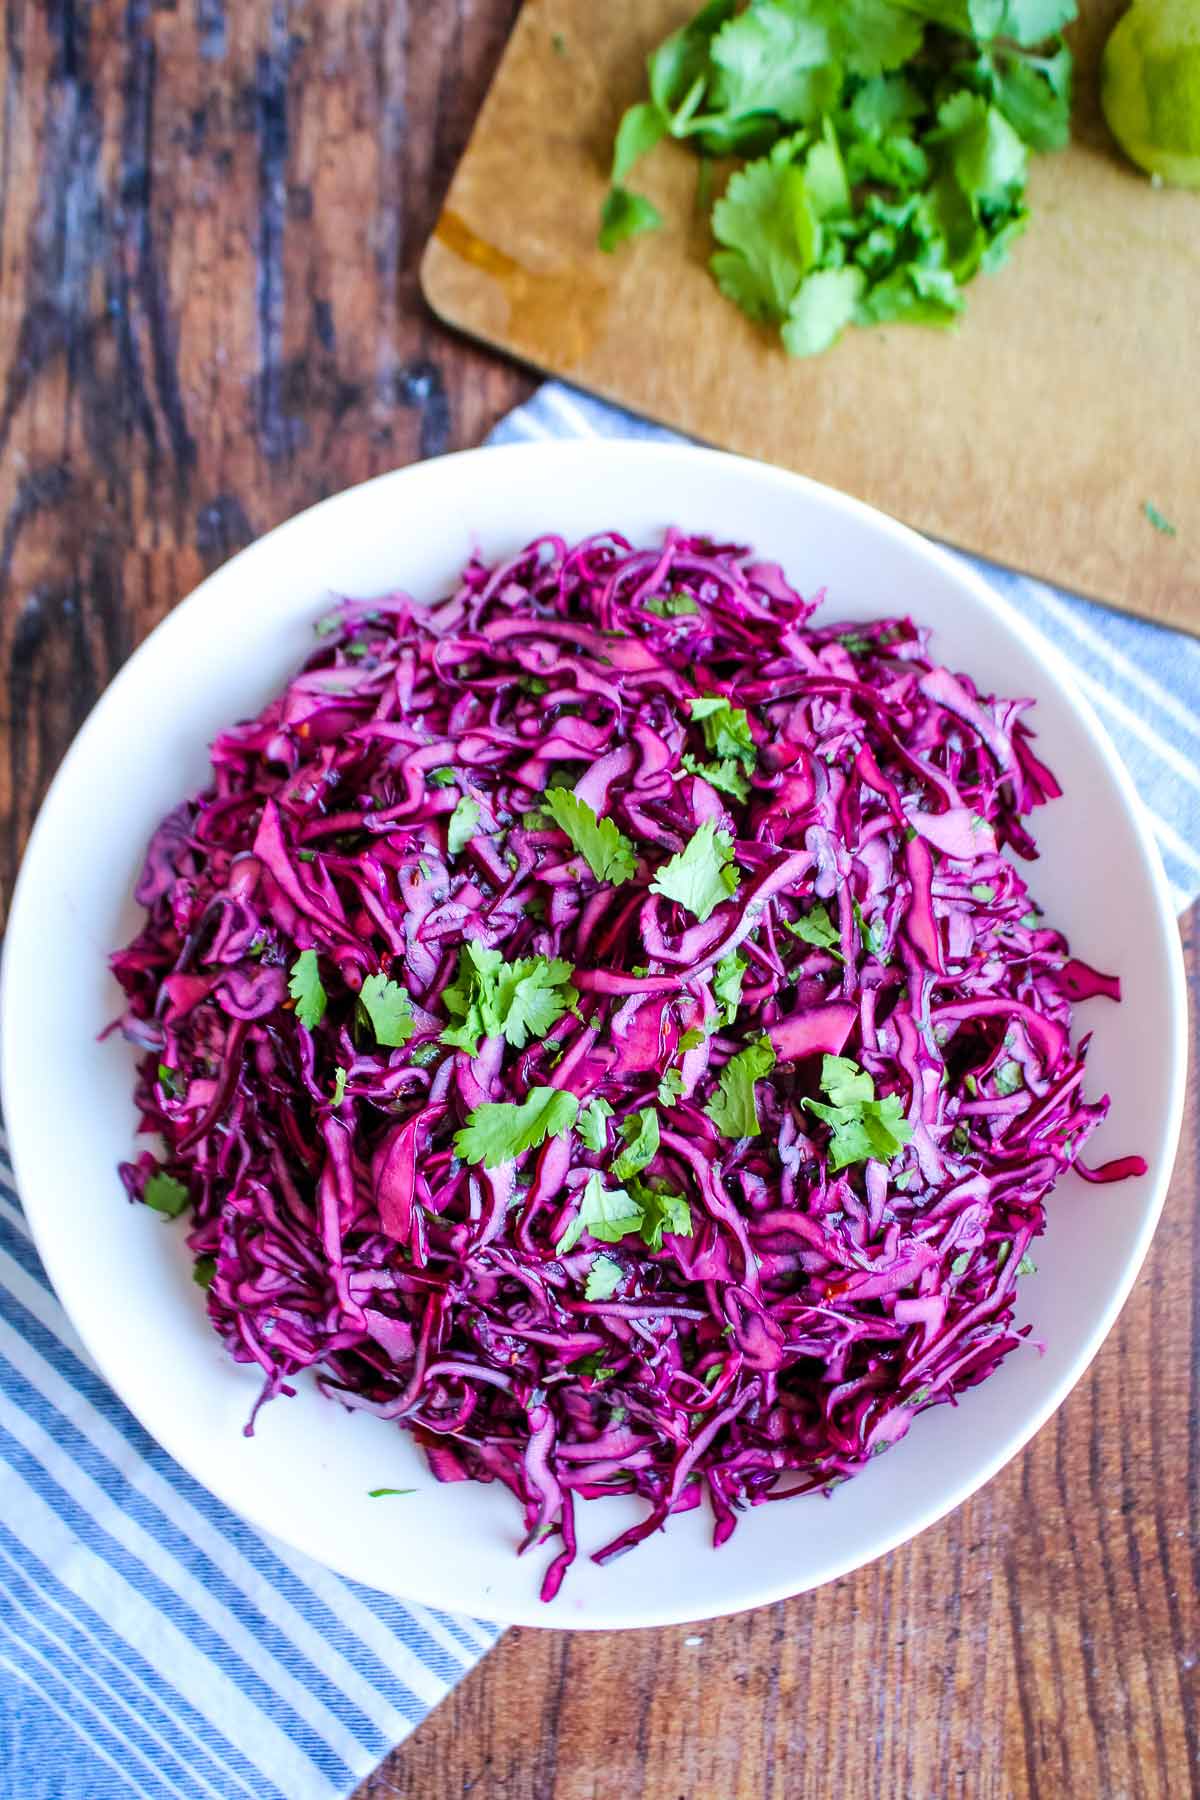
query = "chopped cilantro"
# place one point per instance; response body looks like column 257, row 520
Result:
column 863, row 1129
column 1027, row 1266
column 170, row 1081
column 727, row 775
column 607, row 1214
column 818, row 929
column 1008, row 1078
column 604, row 1278
column 1159, row 521
column 464, row 821
column 163, row 1194
column 873, row 936
column 733, row 1108
column 382, row 1493
column 591, row 1126
column 203, row 1270
column 304, row 985
column 496, row 1133
column 641, row 1135
column 490, row 997
column 339, row 1085
column 662, row 1210
column 605, row 849
column 626, row 215
column 960, row 1263
column 727, row 987
column 983, row 891
column 442, row 778
column 389, row 1009
column 726, row 729
column 700, row 876
column 670, row 1088
column 671, row 606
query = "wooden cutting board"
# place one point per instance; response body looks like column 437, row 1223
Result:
column 1035, row 433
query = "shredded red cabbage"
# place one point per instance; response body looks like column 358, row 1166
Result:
column 759, row 1320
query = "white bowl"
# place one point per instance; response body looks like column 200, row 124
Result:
column 124, row 1276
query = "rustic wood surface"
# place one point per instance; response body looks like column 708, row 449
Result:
column 210, row 221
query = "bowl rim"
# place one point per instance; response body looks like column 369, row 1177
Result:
column 861, row 516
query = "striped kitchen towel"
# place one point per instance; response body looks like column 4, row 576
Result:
column 152, row 1645
column 1143, row 680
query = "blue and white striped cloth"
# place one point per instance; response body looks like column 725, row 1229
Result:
column 152, row 1647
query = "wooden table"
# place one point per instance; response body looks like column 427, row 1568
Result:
column 210, row 220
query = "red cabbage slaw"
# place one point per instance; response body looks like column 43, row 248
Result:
column 593, row 1022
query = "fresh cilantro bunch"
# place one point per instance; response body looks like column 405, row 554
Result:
column 886, row 147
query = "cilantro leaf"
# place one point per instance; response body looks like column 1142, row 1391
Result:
column 844, row 1081
column 662, row 1210
column 203, row 1270
column 463, row 823
column 727, row 986
column 770, row 232
column 389, row 1009
column 961, row 1263
column 822, row 307
column 441, row 778
column 604, row 1278
column 1027, row 1266
column 680, row 66
column 727, row 775
column 700, row 876
column 776, row 58
column 590, row 1124
column 625, row 215
column 1159, row 521
column 491, row 997
column 733, row 1109
column 873, row 936
column 304, row 985
column 339, row 1085
column 670, row 1088
column 607, row 1214
column 1008, row 1078
column 605, row 849
column 1033, row 21
column 670, row 606
column 863, row 1129
column 818, row 929
column 163, row 1194
column 495, row 1133
column 641, row 127
column 726, row 728
column 641, row 1135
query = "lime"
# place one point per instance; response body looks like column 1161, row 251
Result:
column 1150, row 88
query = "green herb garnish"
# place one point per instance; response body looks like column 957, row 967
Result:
column 700, row 876
column 733, row 1108
column 862, row 1128
column 464, row 822
column 496, row 1133
column 1159, row 521
column 591, row 1126
column 641, row 1135
column 304, row 985
column 491, row 997
column 389, row 1009
column 163, row 1194
column 607, row 851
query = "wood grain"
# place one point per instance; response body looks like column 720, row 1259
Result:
column 1040, row 1644
column 211, row 214
column 210, row 220
column 1034, row 433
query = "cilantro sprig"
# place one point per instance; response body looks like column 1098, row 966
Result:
column 497, row 1132
column 700, row 875
column 733, row 1109
column 604, row 847
column 306, row 989
column 388, row 1008
column 518, row 1000
column 862, row 1128
column 639, row 1209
